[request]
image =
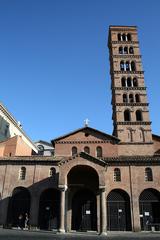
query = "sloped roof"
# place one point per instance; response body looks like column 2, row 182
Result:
column 82, row 129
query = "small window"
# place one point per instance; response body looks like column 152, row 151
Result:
column 138, row 115
column 87, row 150
column 148, row 175
column 131, row 98
column 137, row 97
column 129, row 82
column 135, row 82
column 131, row 51
column 122, row 66
column 133, row 66
column 125, row 50
column 125, row 100
column 123, row 82
column 52, row 172
column 120, row 50
column 124, row 37
column 127, row 115
column 119, row 37
column 22, row 173
column 74, row 151
column 127, row 66
column 129, row 37
column 99, row 152
column 117, row 175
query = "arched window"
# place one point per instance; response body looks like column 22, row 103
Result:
column 74, row 151
column 119, row 37
column 117, row 175
column 148, row 174
column 124, row 37
column 125, row 50
column 129, row 84
column 137, row 97
column 122, row 65
column 120, row 50
column 22, row 173
column 138, row 115
column 127, row 115
column 127, row 66
column 99, row 152
column 133, row 66
column 131, row 98
column 135, row 82
column 125, row 100
column 129, row 37
column 87, row 150
column 123, row 82
column 131, row 51
column 52, row 172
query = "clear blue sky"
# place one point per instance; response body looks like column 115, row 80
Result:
column 54, row 68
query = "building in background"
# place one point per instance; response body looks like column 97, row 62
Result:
column 13, row 140
column 95, row 181
column 44, row 148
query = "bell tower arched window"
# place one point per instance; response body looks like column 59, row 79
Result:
column 119, row 37
column 135, row 82
column 131, row 98
column 125, row 50
column 131, row 51
column 127, row 115
column 137, row 97
column 125, row 100
column 120, row 50
column 133, row 66
column 129, row 82
column 129, row 37
column 123, row 82
column 139, row 115
column 122, row 65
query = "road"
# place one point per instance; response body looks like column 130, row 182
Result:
column 6, row 234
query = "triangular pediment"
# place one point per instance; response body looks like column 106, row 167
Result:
column 86, row 134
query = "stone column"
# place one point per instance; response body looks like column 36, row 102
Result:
column 103, row 210
column 62, row 208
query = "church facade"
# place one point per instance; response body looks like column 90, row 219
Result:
column 95, row 181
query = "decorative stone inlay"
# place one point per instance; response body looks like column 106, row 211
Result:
column 133, row 123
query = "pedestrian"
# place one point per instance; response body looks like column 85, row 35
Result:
column 26, row 221
column 20, row 221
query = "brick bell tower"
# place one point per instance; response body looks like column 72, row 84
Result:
column 131, row 123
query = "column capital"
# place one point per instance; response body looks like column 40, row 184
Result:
column 102, row 188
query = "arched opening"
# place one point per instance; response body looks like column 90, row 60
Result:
column 87, row 150
column 129, row 37
column 82, row 195
column 49, row 209
column 125, row 50
column 131, row 51
column 118, row 211
column 135, row 82
column 74, row 151
column 127, row 115
column 125, row 100
column 148, row 174
column 122, row 65
column 129, row 83
column 119, row 37
column 127, row 66
column 124, row 37
column 120, row 50
column 99, row 151
column 137, row 97
column 133, row 66
column 123, row 82
column 131, row 98
column 149, row 204
column 139, row 115
column 19, row 205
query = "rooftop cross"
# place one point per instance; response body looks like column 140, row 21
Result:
column 86, row 122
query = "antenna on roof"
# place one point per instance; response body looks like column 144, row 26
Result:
column 86, row 122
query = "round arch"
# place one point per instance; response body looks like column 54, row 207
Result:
column 118, row 211
column 19, row 204
column 149, row 207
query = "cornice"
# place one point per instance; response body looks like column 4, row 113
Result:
column 131, row 104
column 129, row 88
column 133, row 123
column 126, row 56
column 84, row 142
column 124, row 42
column 127, row 72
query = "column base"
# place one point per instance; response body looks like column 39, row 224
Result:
column 62, row 231
column 103, row 233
